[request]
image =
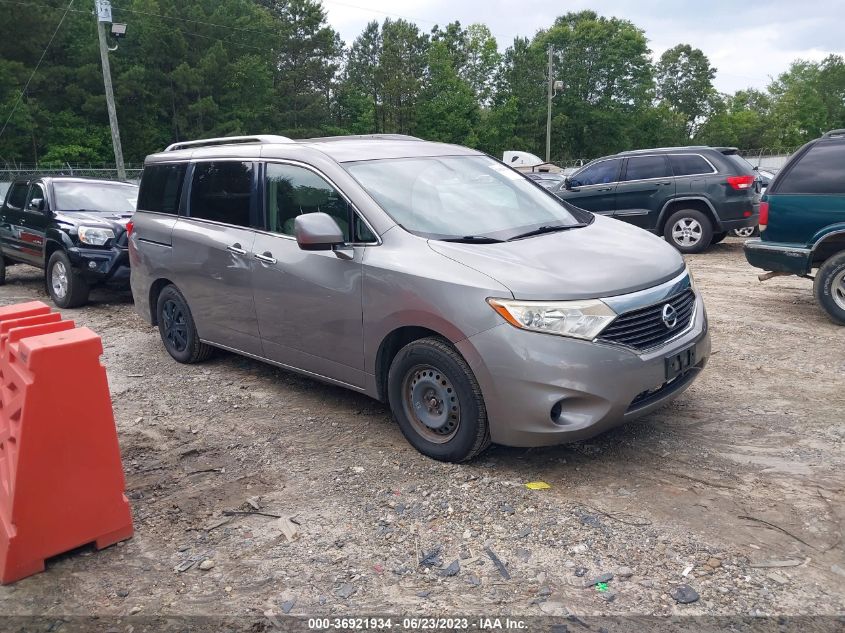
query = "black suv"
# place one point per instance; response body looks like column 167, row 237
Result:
column 691, row 195
column 72, row 228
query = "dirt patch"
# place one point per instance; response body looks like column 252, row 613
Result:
column 736, row 489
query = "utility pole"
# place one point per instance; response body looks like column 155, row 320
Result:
column 549, row 107
column 103, row 10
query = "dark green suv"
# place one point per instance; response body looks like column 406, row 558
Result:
column 690, row 195
column 802, row 222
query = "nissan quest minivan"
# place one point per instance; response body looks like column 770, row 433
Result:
column 430, row 276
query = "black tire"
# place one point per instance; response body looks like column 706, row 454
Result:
column 718, row 237
column 829, row 288
column 432, row 366
column 700, row 233
column 65, row 285
column 2, row 271
column 177, row 329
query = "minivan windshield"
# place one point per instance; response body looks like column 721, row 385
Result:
column 96, row 196
column 463, row 198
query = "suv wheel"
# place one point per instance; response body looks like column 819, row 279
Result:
column 747, row 231
column 177, row 329
column 829, row 288
column 437, row 402
column 65, row 284
column 689, row 230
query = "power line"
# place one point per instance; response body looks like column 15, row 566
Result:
column 41, row 59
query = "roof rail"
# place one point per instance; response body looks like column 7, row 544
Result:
column 834, row 134
column 229, row 140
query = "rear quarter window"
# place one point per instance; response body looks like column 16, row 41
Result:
column 689, row 165
column 161, row 188
column 821, row 171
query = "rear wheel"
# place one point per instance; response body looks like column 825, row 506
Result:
column 66, row 286
column 689, row 230
column 177, row 329
column 437, row 402
column 829, row 288
column 747, row 231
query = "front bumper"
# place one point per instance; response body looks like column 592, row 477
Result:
column 523, row 375
column 102, row 265
column 775, row 257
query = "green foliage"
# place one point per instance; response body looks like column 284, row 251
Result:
column 684, row 79
column 199, row 68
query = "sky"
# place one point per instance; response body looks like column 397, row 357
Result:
column 748, row 42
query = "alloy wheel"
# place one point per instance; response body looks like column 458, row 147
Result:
column 746, row 231
column 59, row 280
column 837, row 289
column 686, row 232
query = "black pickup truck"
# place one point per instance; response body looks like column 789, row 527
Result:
column 72, row 228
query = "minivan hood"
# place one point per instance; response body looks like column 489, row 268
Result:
column 604, row 259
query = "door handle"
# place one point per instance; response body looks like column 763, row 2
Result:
column 664, row 183
column 236, row 248
column 266, row 257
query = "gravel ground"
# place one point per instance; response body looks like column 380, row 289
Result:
column 735, row 490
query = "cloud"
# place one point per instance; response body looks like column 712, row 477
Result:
column 749, row 43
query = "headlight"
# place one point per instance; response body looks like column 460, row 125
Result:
column 578, row 319
column 96, row 236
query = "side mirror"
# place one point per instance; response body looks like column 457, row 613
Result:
column 567, row 183
column 36, row 204
column 317, row 232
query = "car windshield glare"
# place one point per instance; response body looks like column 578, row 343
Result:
column 448, row 197
column 95, row 196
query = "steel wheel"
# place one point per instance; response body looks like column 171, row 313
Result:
column 59, row 280
column 837, row 289
column 686, row 232
column 746, row 231
column 175, row 326
column 431, row 403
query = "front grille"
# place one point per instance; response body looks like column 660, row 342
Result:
column 644, row 328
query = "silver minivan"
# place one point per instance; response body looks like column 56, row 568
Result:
column 429, row 276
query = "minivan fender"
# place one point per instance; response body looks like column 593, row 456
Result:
column 664, row 212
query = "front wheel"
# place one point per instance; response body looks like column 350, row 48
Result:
column 177, row 329
column 66, row 286
column 829, row 288
column 436, row 400
column 689, row 230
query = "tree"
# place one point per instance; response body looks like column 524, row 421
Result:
column 448, row 110
column 684, row 79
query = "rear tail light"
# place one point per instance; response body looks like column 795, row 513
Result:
column 764, row 215
column 741, row 182
column 130, row 226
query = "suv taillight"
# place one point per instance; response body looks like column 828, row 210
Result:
column 764, row 215
column 741, row 182
column 130, row 226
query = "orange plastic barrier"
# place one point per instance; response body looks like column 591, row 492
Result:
column 61, row 478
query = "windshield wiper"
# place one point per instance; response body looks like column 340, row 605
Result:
column 547, row 229
column 473, row 239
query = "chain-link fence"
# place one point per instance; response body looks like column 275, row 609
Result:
column 10, row 171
